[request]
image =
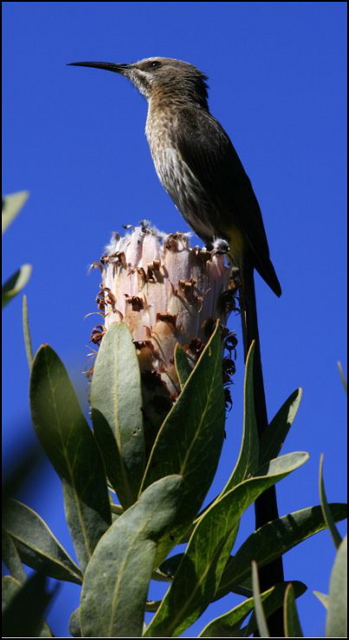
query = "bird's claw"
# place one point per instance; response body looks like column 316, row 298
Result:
column 219, row 245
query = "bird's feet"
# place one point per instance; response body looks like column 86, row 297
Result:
column 219, row 245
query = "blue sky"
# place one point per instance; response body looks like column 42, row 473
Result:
column 75, row 139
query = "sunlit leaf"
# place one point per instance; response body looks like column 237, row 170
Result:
column 343, row 378
column 15, row 283
column 323, row 597
column 248, row 459
column 274, row 436
column 11, row 557
column 26, row 332
column 11, row 206
column 116, row 581
column 228, row 624
column 70, row 445
column 74, row 624
column 182, row 365
column 261, row 621
column 113, row 461
column 190, row 440
column 274, row 603
column 292, row 625
column 116, row 395
column 336, row 623
column 274, row 539
column 199, row 572
column 325, row 508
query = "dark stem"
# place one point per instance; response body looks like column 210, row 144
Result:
column 266, row 505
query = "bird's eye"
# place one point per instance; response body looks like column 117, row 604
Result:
column 154, row 64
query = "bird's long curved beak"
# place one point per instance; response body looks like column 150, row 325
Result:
column 108, row 66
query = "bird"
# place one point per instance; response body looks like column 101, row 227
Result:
column 201, row 171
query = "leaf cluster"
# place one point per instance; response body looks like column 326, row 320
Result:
column 126, row 511
column 11, row 206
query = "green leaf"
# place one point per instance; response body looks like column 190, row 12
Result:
column 10, row 586
column 336, row 623
column 182, row 364
column 11, row 558
column 167, row 570
column 325, row 508
column 343, row 378
column 248, row 460
column 113, row 462
column 116, row 581
column 323, row 597
column 274, row 539
column 24, row 607
column 193, row 433
column 274, row 603
column 11, row 206
column 228, row 624
column 292, row 625
column 200, row 570
column 116, row 394
column 261, row 621
column 36, row 544
column 74, row 623
column 26, row 332
column 276, row 433
column 70, row 445
column 15, row 283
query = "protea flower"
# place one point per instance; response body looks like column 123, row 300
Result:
column 166, row 292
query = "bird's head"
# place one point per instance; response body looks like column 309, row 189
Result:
column 160, row 75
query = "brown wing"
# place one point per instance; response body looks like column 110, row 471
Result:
column 210, row 155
